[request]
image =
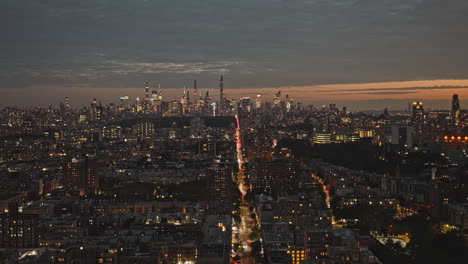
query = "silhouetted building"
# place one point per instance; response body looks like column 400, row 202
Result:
column 418, row 116
column 219, row 182
column 456, row 109
column 81, row 174
column 403, row 136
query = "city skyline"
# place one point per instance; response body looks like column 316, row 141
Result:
column 234, row 132
column 357, row 97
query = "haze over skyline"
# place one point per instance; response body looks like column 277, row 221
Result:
column 370, row 96
column 360, row 53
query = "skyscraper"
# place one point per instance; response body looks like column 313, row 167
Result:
column 455, row 109
column 258, row 101
column 194, row 91
column 146, row 91
column 277, row 98
column 277, row 177
column 159, row 93
column 221, row 90
column 144, row 129
column 125, row 102
column 219, row 182
column 81, row 174
column 93, row 109
column 18, row 230
column 185, row 100
column 99, row 111
column 403, row 136
column 154, row 95
column 418, row 115
column 67, row 103
column 417, row 110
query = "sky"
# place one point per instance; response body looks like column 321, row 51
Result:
column 358, row 53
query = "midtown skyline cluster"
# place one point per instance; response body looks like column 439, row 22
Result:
column 357, row 97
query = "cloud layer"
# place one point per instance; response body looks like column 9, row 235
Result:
column 256, row 43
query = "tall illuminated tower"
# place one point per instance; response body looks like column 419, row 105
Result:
column 159, row 93
column 221, row 90
column 146, row 91
column 93, row 109
column 194, row 91
column 184, row 99
column 418, row 110
column 277, row 98
column 154, row 94
column 418, row 115
column 455, row 109
column 67, row 103
column 258, row 101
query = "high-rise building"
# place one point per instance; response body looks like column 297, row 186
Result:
column 418, row 111
column 154, row 94
column 18, row 230
column 276, row 177
column 258, row 101
column 197, row 127
column 221, row 90
column 112, row 132
column 184, row 101
column 455, row 109
column 219, row 181
column 81, row 174
column 277, row 98
column 175, row 108
column 67, row 103
column 99, row 111
column 93, row 109
column 125, row 102
column 159, row 93
column 386, row 114
column 195, row 91
column 322, row 138
column 289, row 103
column 403, row 136
column 138, row 107
column 418, row 116
column 146, row 91
column 244, row 107
column 72, row 174
column 144, row 130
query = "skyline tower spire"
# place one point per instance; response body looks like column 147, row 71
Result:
column 187, row 94
column 194, row 91
column 159, row 92
column 147, row 91
column 67, row 103
column 221, row 89
column 154, row 93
